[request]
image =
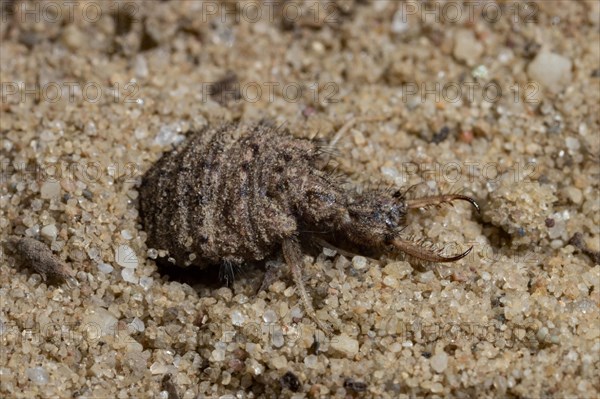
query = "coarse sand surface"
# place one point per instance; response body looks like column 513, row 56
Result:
column 499, row 101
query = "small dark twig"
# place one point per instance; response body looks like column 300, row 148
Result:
column 35, row 254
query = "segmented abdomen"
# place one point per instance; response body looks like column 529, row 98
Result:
column 221, row 195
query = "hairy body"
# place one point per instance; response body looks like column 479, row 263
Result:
column 237, row 193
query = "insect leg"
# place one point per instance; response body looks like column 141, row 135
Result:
column 353, row 121
column 293, row 257
column 329, row 149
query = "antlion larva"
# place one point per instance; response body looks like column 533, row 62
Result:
column 237, row 193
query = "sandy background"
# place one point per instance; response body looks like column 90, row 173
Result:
column 498, row 100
